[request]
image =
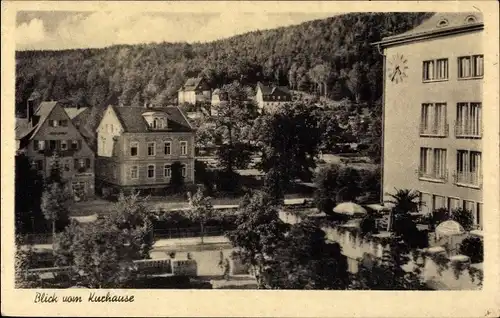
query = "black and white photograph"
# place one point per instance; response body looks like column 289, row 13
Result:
column 273, row 150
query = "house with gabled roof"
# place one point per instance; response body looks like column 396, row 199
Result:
column 270, row 97
column 136, row 147
column 48, row 130
column 194, row 90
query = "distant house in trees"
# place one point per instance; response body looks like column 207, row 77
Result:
column 219, row 97
column 136, row 147
column 195, row 90
column 49, row 129
column 269, row 97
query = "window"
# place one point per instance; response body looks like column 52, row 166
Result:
column 426, row 200
column 64, row 145
column 37, row 145
column 63, row 123
column 433, row 164
column 167, row 171
column 53, row 123
column 435, row 70
column 440, row 169
column 453, row 203
column 433, row 120
column 183, row 171
column 67, row 166
column 151, row 148
column 87, row 163
column 134, row 149
column 183, row 148
column 469, row 120
column 425, row 161
column 74, row 144
column 438, row 202
column 471, row 66
column 52, row 144
column 134, row 172
column 479, row 211
column 167, row 148
column 470, row 19
column 468, row 168
column 155, row 123
column 39, row 165
column 151, row 171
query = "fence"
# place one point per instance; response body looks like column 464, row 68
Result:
column 187, row 232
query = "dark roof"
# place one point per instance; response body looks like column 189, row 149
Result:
column 42, row 113
column 192, row 84
column 439, row 23
column 74, row 112
column 22, row 127
column 132, row 120
column 273, row 90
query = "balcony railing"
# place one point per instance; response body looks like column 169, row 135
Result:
column 468, row 131
column 434, row 131
column 473, row 179
column 433, row 176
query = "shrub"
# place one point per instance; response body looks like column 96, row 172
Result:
column 473, row 247
column 464, row 217
column 438, row 216
column 368, row 225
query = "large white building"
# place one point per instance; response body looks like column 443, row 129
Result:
column 432, row 119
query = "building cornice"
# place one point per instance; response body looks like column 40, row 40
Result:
column 408, row 38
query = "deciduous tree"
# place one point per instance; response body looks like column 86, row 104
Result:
column 200, row 209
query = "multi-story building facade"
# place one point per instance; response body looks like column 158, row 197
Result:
column 195, row 90
column 137, row 146
column 47, row 130
column 269, row 98
column 432, row 118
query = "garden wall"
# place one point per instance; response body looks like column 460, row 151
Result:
column 442, row 274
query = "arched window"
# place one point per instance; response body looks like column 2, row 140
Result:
column 442, row 23
column 470, row 19
column 162, row 123
column 155, row 123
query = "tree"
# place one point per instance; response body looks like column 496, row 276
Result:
column 289, row 141
column 304, row 260
column 55, row 174
column 388, row 273
column 404, row 201
column 176, row 178
column 233, row 122
column 55, row 206
column 200, row 209
column 28, row 196
column 335, row 184
column 23, row 260
column 101, row 253
column 464, row 217
column 473, row 247
column 258, row 233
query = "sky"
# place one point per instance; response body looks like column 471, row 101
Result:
column 56, row 30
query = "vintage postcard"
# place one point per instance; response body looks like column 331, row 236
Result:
column 267, row 158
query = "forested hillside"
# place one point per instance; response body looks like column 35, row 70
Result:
column 331, row 57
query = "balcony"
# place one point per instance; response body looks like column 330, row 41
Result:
column 468, row 179
column 434, row 131
column 468, row 131
column 433, row 176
